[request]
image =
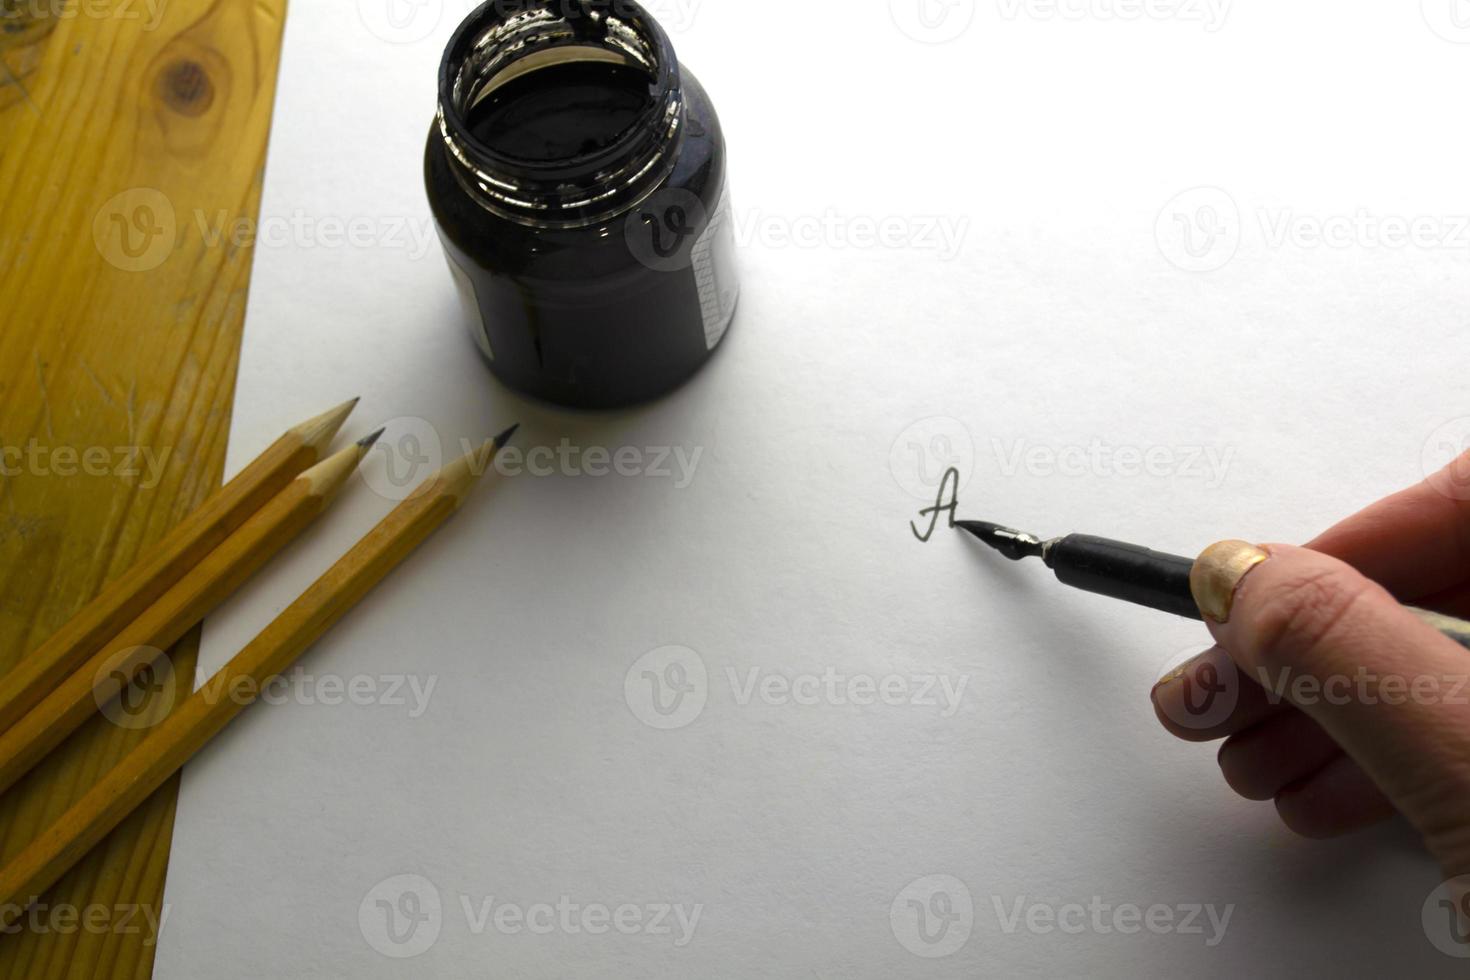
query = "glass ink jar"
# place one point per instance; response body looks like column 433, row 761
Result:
column 576, row 174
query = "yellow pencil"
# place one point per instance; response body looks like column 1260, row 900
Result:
column 238, row 683
column 122, row 599
column 141, row 643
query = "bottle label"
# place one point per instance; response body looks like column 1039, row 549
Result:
column 714, row 272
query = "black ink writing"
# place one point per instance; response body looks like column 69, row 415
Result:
column 949, row 490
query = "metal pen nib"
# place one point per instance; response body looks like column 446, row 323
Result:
column 1014, row 544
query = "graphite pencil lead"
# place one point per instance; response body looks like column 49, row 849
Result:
column 367, row 442
column 504, row 437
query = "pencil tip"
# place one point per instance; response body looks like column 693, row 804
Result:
column 366, row 442
column 331, row 474
column 340, row 413
column 504, row 437
column 317, row 432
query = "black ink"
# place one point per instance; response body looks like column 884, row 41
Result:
column 577, row 177
column 951, row 485
column 561, row 111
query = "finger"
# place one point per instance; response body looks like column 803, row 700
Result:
column 1338, row 799
column 1208, row 698
column 1262, row 761
column 1413, row 543
column 1386, row 687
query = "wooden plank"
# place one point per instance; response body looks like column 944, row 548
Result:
column 127, row 127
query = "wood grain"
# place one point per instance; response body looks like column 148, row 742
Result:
column 126, row 597
column 134, row 656
column 239, row 683
column 120, row 121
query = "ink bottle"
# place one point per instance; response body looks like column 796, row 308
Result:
column 576, row 174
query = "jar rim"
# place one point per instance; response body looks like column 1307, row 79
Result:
column 590, row 22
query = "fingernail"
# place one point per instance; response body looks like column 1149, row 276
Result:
column 1175, row 675
column 1217, row 575
column 1199, row 695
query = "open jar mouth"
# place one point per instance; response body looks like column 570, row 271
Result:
column 505, row 41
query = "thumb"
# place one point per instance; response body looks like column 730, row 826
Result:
column 1392, row 691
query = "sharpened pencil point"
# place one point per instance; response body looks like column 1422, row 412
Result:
column 332, row 473
column 504, row 437
column 366, row 442
column 318, row 432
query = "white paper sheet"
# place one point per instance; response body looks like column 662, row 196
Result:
column 1032, row 315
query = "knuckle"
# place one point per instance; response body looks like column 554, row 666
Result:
column 1297, row 621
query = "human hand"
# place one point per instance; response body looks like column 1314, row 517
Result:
column 1347, row 707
